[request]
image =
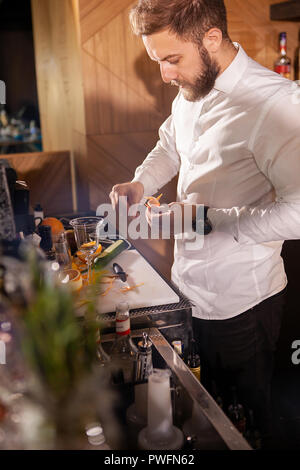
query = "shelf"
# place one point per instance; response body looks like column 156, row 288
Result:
column 285, row 11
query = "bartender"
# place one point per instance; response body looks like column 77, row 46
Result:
column 234, row 138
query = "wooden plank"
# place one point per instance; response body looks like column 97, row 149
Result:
column 102, row 167
column 100, row 16
column 79, row 154
column 86, row 6
column 90, row 91
column 48, row 175
column 59, row 78
column 127, row 150
column 130, row 62
column 121, row 109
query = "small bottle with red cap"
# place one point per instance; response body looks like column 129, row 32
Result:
column 123, row 352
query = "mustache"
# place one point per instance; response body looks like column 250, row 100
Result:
column 179, row 83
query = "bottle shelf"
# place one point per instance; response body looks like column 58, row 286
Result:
column 286, row 11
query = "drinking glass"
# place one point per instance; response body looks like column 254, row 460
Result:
column 87, row 237
column 62, row 252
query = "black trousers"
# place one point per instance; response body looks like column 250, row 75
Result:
column 239, row 352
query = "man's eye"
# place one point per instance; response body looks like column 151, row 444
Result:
column 173, row 62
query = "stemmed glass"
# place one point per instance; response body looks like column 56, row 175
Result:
column 87, row 238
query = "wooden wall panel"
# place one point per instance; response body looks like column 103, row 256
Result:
column 59, row 78
column 250, row 24
column 48, row 175
column 102, row 13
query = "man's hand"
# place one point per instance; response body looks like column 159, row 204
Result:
column 170, row 218
column 133, row 191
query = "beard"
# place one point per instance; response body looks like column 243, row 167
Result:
column 204, row 81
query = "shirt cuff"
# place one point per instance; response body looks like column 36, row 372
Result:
column 149, row 187
column 224, row 220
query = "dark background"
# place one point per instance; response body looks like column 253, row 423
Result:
column 17, row 62
column 286, row 382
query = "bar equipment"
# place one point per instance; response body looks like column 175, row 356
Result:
column 160, row 433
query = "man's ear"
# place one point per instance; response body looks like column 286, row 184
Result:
column 212, row 40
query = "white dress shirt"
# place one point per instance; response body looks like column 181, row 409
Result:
column 237, row 151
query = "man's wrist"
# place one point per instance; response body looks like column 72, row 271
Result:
column 201, row 222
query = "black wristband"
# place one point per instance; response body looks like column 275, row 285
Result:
column 207, row 228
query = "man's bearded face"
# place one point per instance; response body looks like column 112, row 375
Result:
column 204, row 80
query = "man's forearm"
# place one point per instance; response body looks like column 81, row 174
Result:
column 275, row 221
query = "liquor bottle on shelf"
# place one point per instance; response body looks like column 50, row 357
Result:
column 236, row 413
column 283, row 63
column 192, row 359
column 103, row 358
column 123, row 352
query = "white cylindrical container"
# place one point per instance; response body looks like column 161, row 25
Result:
column 160, row 434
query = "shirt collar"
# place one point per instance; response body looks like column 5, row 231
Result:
column 230, row 77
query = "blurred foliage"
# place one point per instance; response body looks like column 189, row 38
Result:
column 59, row 348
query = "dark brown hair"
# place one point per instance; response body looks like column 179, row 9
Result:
column 189, row 19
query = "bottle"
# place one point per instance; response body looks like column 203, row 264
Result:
column 236, row 413
column 216, row 395
column 193, row 358
column 46, row 242
column 123, row 351
column 297, row 61
column 252, row 434
column 143, row 364
column 283, row 63
column 103, row 358
column 33, row 130
column 3, row 118
column 178, row 347
column 38, row 214
column 136, row 414
column 190, row 444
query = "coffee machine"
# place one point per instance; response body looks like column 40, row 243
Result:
column 18, row 193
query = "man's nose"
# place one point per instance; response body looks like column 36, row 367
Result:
column 167, row 72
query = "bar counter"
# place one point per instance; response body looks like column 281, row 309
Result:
column 194, row 411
